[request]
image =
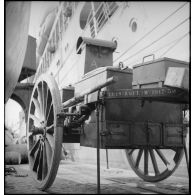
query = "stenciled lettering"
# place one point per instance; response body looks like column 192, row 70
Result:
column 141, row 92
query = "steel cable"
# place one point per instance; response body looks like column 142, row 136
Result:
column 172, row 46
column 150, row 31
column 164, row 46
column 157, row 39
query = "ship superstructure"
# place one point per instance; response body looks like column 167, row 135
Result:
column 138, row 28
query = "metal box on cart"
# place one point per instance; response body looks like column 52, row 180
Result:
column 153, row 73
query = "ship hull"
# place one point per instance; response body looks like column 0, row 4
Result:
column 17, row 26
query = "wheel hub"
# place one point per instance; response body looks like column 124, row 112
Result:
column 44, row 130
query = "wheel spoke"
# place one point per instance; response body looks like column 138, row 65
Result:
column 153, row 158
column 43, row 106
column 161, row 155
column 138, row 158
column 50, row 139
column 130, row 151
column 45, row 169
column 48, row 153
column 40, row 99
column 46, row 101
column 38, row 121
column 36, row 162
column 37, row 105
column 34, row 148
column 50, row 129
column 51, row 105
column 146, row 161
column 174, row 149
column 40, row 167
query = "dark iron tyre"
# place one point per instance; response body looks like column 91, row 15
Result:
column 153, row 165
column 44, row 136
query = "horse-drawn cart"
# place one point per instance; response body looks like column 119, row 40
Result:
column 139, row 110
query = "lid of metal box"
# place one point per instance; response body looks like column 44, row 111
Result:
column 89, row 41
column 105, row 68
column 160, row 60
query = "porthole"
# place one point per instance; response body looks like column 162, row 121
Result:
column 133, row 25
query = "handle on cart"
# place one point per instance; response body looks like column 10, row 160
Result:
column 148, row 56
column 79, row 98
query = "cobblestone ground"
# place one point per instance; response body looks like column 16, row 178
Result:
column 81, row 178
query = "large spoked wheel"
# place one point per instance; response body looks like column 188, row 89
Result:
column 154, row 165
column 44, row 137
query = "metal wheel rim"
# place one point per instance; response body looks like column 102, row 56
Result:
column 146, row 153
column 45, row 100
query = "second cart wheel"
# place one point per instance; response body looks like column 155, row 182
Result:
column 154, row 165
column 44, row 137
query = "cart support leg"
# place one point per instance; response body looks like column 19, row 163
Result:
column 107, row 158
column 98, row 151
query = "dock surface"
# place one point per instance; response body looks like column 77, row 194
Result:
column 80, row 178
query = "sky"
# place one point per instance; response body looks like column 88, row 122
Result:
column 12, row 109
